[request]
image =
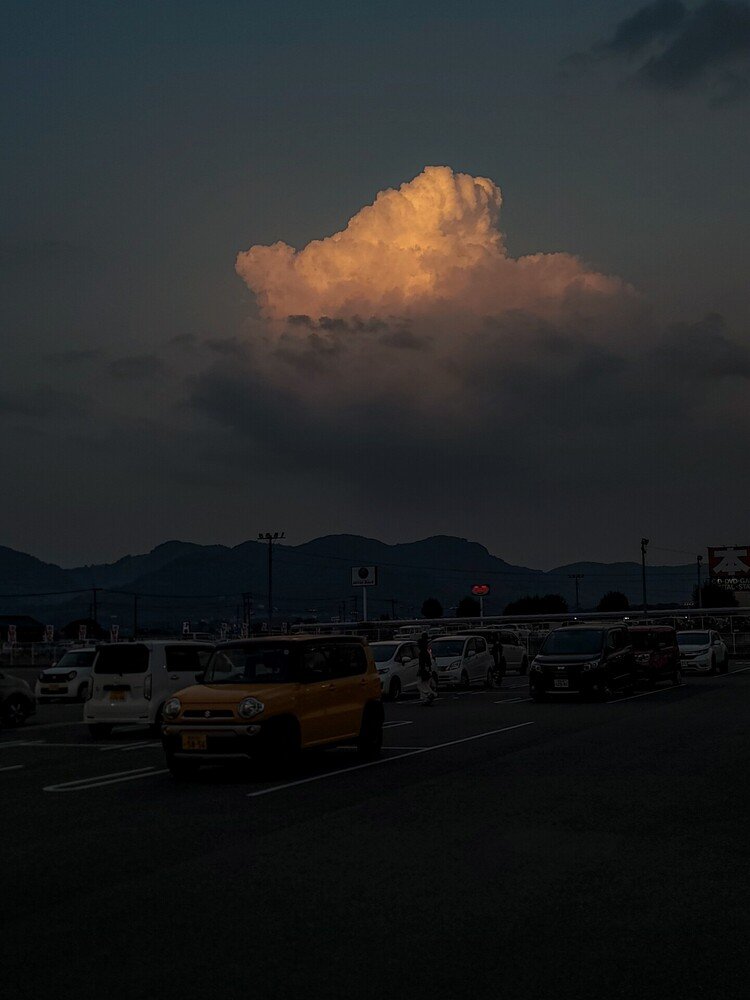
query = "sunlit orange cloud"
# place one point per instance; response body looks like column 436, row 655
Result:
column 430, row 248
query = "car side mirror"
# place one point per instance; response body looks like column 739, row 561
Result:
column 470, row 654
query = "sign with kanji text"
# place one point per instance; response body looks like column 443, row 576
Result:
column 81, row 633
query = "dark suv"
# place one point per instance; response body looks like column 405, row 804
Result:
column 595, row 660
column 657, row 655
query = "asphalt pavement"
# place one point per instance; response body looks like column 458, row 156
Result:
column 498, row 848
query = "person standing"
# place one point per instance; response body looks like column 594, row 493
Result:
column 425, row 680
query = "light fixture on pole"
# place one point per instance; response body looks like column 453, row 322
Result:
column 270, row 537
column 644, row 544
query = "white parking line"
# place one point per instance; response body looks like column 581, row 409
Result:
column 643, row 694
column 21, row 743
column 129, row 746
column 13, row 767
column 511, row 701
column 386, row 760
column 740, row 671
column 390, row 725
column 97, row 781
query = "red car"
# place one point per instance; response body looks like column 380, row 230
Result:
column 657, row 655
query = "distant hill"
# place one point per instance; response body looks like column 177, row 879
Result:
column 182, row 580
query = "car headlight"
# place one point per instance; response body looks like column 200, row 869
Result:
column 455, row 665
column 535, row 666
column 41, row 676
column 384, row 670
column 172, row 708
column 250, row 707
column 592, row 664
column 72, row 674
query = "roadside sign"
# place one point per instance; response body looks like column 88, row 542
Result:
column 186, row 628
column 81, row 633
column 114, row 633
column 480, row 589
column 12, row 635
column 729, row 566
column 285, row 627
column 364, row 576
column 244, row 630
column 223, row 631
column 49, row 633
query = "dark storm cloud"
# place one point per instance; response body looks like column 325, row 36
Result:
column 654, row 21
column 137, row 366
column 75, row 356
column 703, row 351
column 708, row 45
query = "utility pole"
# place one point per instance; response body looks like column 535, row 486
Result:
column 577, row 577
column 270, row 537
column 135, row 616
column 699, row 595
column 94, row 612
column 644, row 544
column 394, row 602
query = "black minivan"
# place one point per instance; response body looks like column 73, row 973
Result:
column 592, row 660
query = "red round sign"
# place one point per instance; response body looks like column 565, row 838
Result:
column 480, row 589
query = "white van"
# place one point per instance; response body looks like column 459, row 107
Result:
column 132, row 680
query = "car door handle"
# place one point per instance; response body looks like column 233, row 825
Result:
column 174, row 677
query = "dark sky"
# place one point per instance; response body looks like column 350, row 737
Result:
column 148, row 392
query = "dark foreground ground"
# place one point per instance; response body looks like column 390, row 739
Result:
column 565, row 850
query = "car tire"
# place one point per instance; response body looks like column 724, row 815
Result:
column 394, row 691
column 465, row 683
column 83, row 692
column 489, row 680
column 155, row 727
column 725, row 664
column 713, row 669
column 677, row 678
column 537, row 696
column 523, row 669
column 370, row 739
column 15, row 711
column 100, row 730
column 182, row 770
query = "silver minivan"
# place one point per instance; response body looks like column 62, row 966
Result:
column 131, row 681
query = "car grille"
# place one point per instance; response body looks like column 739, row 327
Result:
column 208, row 713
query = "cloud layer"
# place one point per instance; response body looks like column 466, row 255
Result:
column 430, row 246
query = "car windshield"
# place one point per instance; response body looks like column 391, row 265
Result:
column 272, row 664
column 384, row 652
column 76, row 659
column 571, row 642
column 692, row 638
column 644, row 641
column 447, row 647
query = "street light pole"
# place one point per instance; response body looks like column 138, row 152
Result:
column 699, row 595
column 644, row 543
column 577, row 577
column 270, row 537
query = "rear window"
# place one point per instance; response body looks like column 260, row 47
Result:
column 693, row 638
column 646, row 641
column 567, row 642
column 127, row 658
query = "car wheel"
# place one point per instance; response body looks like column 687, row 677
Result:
column 677, row 678
column 725, row 664
column 83, row 692
column 524, row 666
column 394, row 691
column 465, row 682
column 155, row 727
column 537, row 696
column 370, row 740
column 15, row 710
column 713, row 670
column 182, row 770
column 100, row 730
column 489, row 681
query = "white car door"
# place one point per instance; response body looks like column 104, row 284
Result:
column 478, row 668
column 483, row 658
column 407, row 665
column 511, row 650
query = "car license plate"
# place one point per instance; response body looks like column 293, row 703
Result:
column 194, row 741
column 51, row 688
column 117, row 696
column 561, row 683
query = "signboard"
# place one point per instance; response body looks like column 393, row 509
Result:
column 12, row 635
column 81, row 633
column 364, row 576
column 186, row 628
column 49, row 633
column 114, row 633
column 244, row 630
column 729, row 566
column 480, row 589
column 223, row 631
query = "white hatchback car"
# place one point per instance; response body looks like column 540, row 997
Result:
column 397, row 664
column 515, row 651
column 703, row 651
column 462, row 660
column 69, row 678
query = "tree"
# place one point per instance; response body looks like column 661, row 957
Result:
column 613, row 600
column 714, row 596
column 549, row 604
column 432, row 608
column 468, row 607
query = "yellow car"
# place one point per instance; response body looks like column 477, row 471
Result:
column 273, row 697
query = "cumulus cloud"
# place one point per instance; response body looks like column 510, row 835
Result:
column 430, row 248
column 680, row 48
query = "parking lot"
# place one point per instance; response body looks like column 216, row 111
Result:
column 497, row 847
